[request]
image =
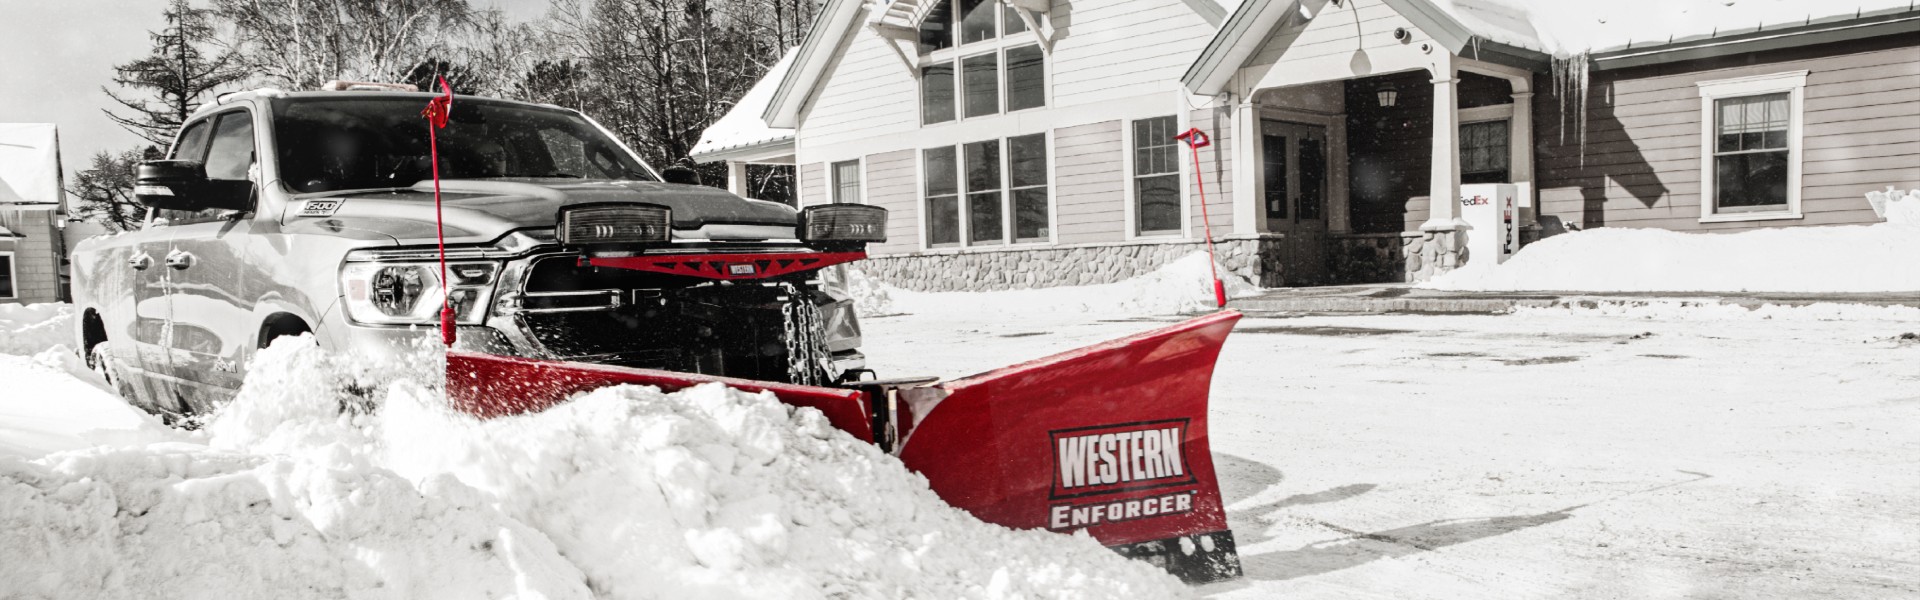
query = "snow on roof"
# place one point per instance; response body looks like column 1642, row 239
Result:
column 29, row 163
column 1563, row 28
column 742, row 126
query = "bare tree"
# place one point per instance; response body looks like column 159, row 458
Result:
column 104, row 192
column 304, row 43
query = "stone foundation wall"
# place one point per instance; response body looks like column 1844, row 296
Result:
column 1256, row 259
column 1409, row 257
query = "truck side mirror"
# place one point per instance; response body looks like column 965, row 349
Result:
column 681, row 174
column 183, row 185
column 169, row 184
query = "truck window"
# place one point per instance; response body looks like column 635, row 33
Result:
column 347, row 143
column 193, row 142
column 231, row 153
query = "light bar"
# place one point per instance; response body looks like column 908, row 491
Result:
column 843, row 223
column 614, row 224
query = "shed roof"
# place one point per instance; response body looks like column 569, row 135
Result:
column 29, row 163
column 1564, row 28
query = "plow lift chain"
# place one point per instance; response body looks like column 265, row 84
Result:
column 808, row 360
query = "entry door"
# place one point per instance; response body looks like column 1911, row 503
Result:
column 1294, row 182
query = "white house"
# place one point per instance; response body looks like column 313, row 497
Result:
column 1031, row 142
column 31, row 214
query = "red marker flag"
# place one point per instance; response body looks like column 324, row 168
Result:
column 436, row 113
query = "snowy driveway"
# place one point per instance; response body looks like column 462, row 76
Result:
column 1697, row 452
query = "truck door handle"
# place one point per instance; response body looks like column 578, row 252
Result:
column 140, row 261
column 178, row 260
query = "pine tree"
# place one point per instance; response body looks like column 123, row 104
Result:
column 175, row 76
column 104, row 193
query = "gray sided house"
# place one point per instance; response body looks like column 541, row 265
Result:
column 1031, row 143
column 31, row 214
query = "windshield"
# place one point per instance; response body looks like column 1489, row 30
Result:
column 363, row 143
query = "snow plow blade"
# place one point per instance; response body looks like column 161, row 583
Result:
column 1110, row 439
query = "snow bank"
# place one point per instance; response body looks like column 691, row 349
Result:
column 1866, row 258
column 1182, row 286
column 1688, row 310
column 305, row 487
column 27, row 329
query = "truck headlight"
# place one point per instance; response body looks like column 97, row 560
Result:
column 411, row 294
column 843, row 223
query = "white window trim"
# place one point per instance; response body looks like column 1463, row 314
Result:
column 833, row 179
column 1184, row 183
column 1007, row 216
column 13, row 275
column 959, row 52
column 1792, row 82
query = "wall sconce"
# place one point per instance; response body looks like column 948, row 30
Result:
column 1389, row 97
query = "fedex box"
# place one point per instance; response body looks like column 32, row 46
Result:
column 1493, row 209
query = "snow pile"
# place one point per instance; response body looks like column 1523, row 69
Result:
column 1182, row 286
column 1895, row 206
column 1867, row 258
column 30, row 328
column 55, row 404
column 1685, row 310
column 305, row 487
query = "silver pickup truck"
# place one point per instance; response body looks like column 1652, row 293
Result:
column 279, row 214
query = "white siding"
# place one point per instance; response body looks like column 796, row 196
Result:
column 891, row 184
column 1117, row 48
column 1089, row 183
column 1216, row 167
column 813, row 184
column 867, row 92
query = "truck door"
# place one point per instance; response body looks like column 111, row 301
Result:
column 147, row 321
column 212, row 316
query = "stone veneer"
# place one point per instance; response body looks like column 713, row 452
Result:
column 1258, row 259
column 1407, row 257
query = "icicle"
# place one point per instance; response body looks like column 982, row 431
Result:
column 1570, row 80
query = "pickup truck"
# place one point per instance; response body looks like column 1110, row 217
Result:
column 281, row 214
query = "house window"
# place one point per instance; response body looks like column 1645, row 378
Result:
column 983, row 193
column 1750, row 153
column 1027, row 178
column 6, row 276
column 846, row 182
column 982, row 82
column 996, row 194
column 1484, row 152
column 1156, row 176
column 936, row 93
column 1751, row 147
column 943, row 197
column 988, row 70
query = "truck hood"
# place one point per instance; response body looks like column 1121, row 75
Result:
column 481, row 211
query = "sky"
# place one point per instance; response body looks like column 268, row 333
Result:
column 55, row 55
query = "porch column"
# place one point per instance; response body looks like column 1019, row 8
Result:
column 1443, row 184
column 1245, row 143
column 737, row 178
column 1520, row 153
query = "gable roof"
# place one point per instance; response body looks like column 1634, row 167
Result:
column 1526, row 32
column 742, row 130
column 838, row 18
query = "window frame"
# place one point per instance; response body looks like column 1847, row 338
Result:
column 13, row 276
column 1130, row 153
column 1507, row 157
column 1009, row 235
column 859, row 181
column 1792, row 83
column 256, row 170
column 958, row 53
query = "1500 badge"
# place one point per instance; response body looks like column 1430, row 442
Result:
column 319, row 208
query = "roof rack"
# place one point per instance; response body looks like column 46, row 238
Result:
column 366, row 86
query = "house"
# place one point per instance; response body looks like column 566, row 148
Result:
column 1032, row 142
column 31, row 198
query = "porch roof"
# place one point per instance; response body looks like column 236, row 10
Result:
column 742, row 134
column 1532, row 30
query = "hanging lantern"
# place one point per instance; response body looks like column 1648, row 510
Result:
column 1389, row 97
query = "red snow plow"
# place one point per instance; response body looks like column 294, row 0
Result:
column 1111, row 438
